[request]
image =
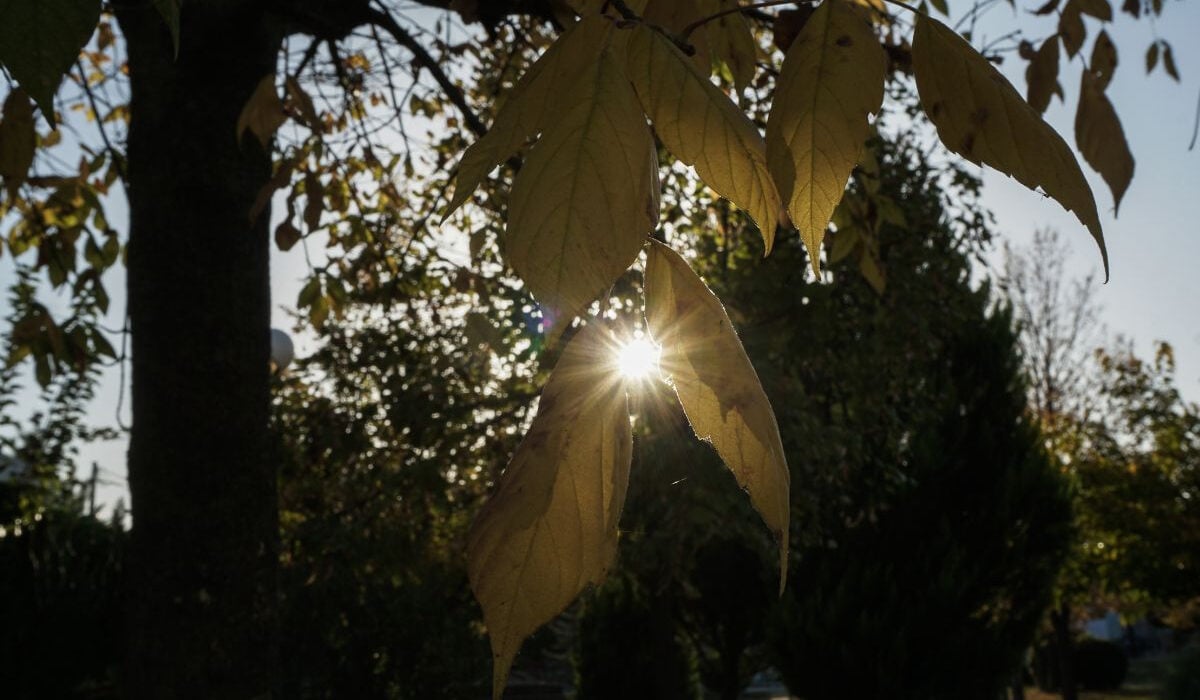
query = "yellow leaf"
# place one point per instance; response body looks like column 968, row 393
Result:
column 532, row 104
column 18, row 140
column 980, row 116
column 730, row 40
column 831, row 80
column 263, row 113
column 718, row 387
column 1101, row 139
column 674, row 16
column 550, row 529
column 1041, row 75
column 581, row 207
column 702, row 128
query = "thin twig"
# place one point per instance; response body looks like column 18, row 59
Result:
column 108, row 147
column 687, row 31
column 386, row 22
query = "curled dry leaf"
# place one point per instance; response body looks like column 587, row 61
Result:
column 831, row 81
column 718, row 387
column 980, row 116
column 550, row 529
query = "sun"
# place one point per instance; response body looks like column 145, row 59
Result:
column 638, row 359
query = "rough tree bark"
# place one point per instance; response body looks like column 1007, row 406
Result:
column 201, row 594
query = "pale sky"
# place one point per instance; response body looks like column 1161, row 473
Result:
column 1153, row 246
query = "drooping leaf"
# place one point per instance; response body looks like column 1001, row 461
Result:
column 730, row 40
column 1169, row 62
column 717, row 386
column 1100, row 9
column 1047, row 8
column 1151, row 57
column 550, row 528
column 263, row 113
column 583, row 203
column 533, row 102
column 831, row 80
column 18, row 139
column 40, row 40
column 1071, row 28
column 980, row 116
column 1104, row 60
column 1041, row 75
column 1101, row 139
column 702, row 128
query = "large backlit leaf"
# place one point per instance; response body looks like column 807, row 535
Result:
column 531, row 103
column 550, row 529
column 1101, row 139
column 717, row 386
column 831, row 80
column 583, row 203
column 702, row 128
column 40, row 40
column 980, row 116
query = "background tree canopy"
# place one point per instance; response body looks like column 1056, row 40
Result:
column 318, row 111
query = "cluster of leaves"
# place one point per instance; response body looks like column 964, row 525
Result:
column 922, row 504
column 585, row 201
column 581, row 207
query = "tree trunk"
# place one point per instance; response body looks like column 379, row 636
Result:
column 1064, row 651
column 201, row 596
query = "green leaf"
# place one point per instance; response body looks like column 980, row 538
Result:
column 40, row 40
column 583, row 203
column 550, row 529
column 702, row 128
column 1101, row 139
column 18, row 140
column 831, row 80
column 532, row 104
column 718, row 387
column 980, row 116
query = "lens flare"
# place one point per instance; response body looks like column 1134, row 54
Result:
column 638, row 359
